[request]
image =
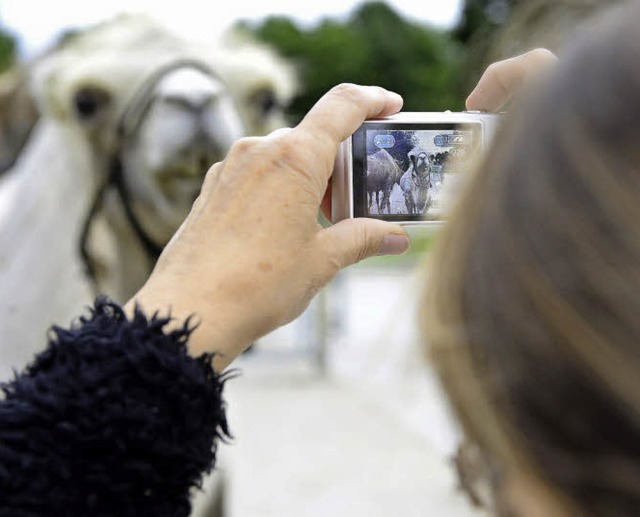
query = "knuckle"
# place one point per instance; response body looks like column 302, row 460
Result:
column 345, row 88
column 287, row 147
column 331, row 260
column 378, row 90
column 280, row 132
column 350, row 91
column 541, row 55
column 323, row 262
column 497, row 74
column 333, row 266
column 492, row 70
column 211, row 176
column 195, row 206
column 244, row 145
column 288, row 153
column 368, row 244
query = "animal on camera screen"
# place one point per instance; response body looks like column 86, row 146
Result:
column 406, row 170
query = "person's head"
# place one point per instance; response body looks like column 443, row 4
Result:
column 532, row 308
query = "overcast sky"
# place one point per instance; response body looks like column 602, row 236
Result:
column 37, row 22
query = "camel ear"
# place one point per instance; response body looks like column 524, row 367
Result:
column 18, row 116
column 413, row 159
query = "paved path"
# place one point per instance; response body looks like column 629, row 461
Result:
column 315, row 447
column 370, row 438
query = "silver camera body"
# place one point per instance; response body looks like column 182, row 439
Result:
column 397, row 168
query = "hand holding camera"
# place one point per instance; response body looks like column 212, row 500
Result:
column 396, row 169
column 400, row 168
column 251, row 255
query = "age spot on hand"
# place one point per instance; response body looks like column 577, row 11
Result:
column 265, row 266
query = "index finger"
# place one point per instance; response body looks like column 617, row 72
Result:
column 343, row 109
column 502, row 79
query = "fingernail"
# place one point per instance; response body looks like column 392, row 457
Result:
column 394, row 244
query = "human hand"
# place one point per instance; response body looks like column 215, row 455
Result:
column 251, row 255
column 502, row 79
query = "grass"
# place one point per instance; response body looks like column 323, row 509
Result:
column 422, row 240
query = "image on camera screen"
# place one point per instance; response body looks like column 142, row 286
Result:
column 407, row 169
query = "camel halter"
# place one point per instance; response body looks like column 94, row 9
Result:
column 128, row 126
column 429, row 183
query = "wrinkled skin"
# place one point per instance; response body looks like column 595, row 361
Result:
column 251, row 255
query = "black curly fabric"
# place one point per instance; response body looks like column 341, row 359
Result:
column 113, row 418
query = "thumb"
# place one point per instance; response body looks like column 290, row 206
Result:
column 353, row 240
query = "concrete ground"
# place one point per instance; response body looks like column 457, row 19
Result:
column 308, row 446
column 364, row 435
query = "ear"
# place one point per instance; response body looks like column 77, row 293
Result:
column 18, row 115
column 413, row 159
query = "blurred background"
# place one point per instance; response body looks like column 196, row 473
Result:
column 337, row 413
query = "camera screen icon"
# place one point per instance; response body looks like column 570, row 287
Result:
column 384, row 141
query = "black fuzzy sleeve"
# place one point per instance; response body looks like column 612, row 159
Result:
column 113, row 418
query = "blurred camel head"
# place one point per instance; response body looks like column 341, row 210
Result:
column 152, row 112
column 165, row 107
column 143, row 113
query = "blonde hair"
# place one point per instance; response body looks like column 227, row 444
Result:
column 532, row 310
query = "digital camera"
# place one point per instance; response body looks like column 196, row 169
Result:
column 398, row 168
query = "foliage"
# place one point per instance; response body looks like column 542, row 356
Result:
column 7, row 50
column 480, row 23
column 374, row 46
column 481, row 18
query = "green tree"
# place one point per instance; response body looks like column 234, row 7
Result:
column 481, row 19
column 497, row 29
column 373, row 46
column 7, row 50
column 480, row 23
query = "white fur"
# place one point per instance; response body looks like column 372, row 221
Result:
column 44, row 199
column 192, row 120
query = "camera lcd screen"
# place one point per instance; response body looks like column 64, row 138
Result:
column 401, row 170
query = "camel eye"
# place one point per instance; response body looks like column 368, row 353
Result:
column 265, row 99
column 89, row 100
